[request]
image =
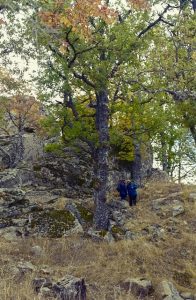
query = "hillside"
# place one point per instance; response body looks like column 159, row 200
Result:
column 147, row 253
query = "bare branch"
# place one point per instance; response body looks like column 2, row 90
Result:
column 158, row 20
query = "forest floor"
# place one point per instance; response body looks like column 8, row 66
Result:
column 103, row 265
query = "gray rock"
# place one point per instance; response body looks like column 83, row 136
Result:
column 154, row 232
column 76, row 229
column 192, row 197
column 173, row 297
column 26, row 266
column 109, row 237
column 11, row 193
column 46, row 293
column 9, row 233
column 187, row 296
column 37, row 250
column 129, row 235
column 70, row 288
column 169, row 206
column 96, row 234
column 167, row 291
column 177, row 210
column 19, row 222
column 45, row 270
column 140, row 287
column 39, row 283
column 118, row 217
column 21, row 269
column 12, row 178
column 158, row 203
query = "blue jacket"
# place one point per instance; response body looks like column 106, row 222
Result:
column 121, row 188
column 132, row 189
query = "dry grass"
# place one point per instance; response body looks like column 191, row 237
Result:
column 105, row 265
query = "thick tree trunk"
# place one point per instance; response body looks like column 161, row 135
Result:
column 164, row 157
column 136, row 165
column 101, row 217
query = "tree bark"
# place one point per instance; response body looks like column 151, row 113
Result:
column 136, row 165
column 164, row 156
column 101, row 217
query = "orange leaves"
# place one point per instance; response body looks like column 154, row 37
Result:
column 78, row 15
column 24, row 110
column 82, row 15
column 50, row 18
column 139, row 4
column 2, row 22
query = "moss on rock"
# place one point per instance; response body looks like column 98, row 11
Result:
column 117, row 230
column 85, row 213
column 103, row 233
column 53, row 223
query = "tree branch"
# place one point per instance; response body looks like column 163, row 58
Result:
column 159, row 19
column 84, row 79
column 57, row 71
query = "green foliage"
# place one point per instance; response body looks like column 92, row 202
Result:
column 122, row 145
column 141, row 75
column 85, row 213
column 55, row 148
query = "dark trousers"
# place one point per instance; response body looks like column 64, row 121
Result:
column 132, row 200
column 123, row 196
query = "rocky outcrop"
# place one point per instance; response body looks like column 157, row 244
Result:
column 172, row 205
column 13, row 178
column 27, row 147
column 66, row 170
column 67, row 288
column 20, row 217
column 44, row 212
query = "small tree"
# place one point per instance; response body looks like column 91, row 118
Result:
column 17, row 114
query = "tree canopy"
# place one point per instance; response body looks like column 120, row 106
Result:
column 115, row 76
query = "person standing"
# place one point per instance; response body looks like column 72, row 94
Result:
column 122, row 189
column 132, row 192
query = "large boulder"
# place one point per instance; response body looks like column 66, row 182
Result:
column 140, row 287
column 68, row 288
column 54, row 223
column 20, row 216
column 172, row 205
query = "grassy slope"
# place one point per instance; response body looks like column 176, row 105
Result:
column 104, row 265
